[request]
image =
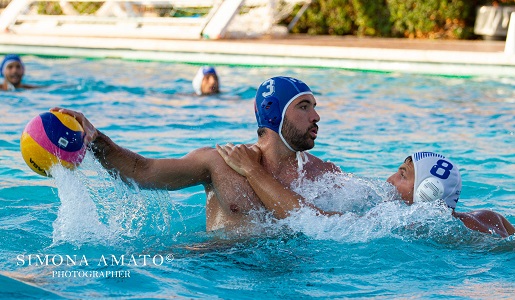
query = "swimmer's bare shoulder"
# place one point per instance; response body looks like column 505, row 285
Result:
column 318, row 167
column 486, row 221
column 211, row 160
column 221, row 174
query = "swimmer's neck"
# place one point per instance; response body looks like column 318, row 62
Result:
column 7, row 85
column 276, row 155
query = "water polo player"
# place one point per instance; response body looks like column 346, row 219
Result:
column 428, row 176
column 13, row 69
column 424, row 176
column 283, row 104
column 206, row 81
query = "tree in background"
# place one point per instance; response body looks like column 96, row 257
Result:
column 433, row 19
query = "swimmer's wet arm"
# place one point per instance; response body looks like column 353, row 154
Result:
column 276, row 197
column 486, row 221
column 148, row 173
column 169, row 174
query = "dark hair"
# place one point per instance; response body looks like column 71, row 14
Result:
column 408, row 159
column 261, row 131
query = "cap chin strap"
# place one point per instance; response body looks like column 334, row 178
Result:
column 284, row 141
column 10, row 87
column 301, row 156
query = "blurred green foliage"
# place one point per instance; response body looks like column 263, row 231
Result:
column 434, row 19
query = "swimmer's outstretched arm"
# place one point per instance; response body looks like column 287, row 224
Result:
column 276, row 197
column 31, row 86
column 171, row 174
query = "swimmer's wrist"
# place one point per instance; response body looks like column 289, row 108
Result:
column 100, row 145
column 253, row 171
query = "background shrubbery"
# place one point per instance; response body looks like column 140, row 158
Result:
column 445, row 19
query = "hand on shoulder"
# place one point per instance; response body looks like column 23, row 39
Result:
column 242, row 158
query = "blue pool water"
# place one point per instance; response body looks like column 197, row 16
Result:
column 60, row 234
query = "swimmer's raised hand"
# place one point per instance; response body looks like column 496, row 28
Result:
column 244, row 159
column 90, row 132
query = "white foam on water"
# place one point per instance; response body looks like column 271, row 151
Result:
column 370, row 209
column 344, row 192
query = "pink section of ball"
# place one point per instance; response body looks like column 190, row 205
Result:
column 36, row 130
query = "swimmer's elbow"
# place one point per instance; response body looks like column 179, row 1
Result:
column 281, row 214
column 510, row 229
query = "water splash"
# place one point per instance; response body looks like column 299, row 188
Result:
column 97, row 208
column 344, row 192
column 370, row 209
column 77, row 219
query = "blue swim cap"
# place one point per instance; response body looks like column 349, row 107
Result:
column 10, row 58
column 273, row 98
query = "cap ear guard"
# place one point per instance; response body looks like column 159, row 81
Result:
column 429, row 190
column 271, row 113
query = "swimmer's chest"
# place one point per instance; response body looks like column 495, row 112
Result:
column 234, row 193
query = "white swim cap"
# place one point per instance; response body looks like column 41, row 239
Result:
column 436, row 178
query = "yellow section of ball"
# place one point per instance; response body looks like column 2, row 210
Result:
column 38, row 158
column 68, row 121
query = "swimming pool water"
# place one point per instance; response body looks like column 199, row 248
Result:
column 369, row 123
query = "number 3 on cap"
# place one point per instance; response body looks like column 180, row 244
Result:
column 270, row 86
column 441, row 165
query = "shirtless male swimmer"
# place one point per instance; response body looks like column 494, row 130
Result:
column 424, row 176
column 13, row 70
column 287, row 121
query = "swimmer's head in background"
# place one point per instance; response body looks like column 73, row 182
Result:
column 436, row 178
column 199, row 77
column 9, row 59
column 273, row 97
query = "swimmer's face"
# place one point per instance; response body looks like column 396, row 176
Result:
column 404, row 180
column 210, row 85
column 14, row 73
column 300, row 127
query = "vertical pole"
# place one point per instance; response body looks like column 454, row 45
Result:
column 298, row 15
column 509, row 47
column 11, row 12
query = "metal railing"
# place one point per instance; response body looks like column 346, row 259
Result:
column 189, row 19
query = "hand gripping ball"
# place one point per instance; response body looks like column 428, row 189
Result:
column 51, row 138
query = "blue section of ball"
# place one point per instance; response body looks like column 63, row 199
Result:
column 59, row 134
